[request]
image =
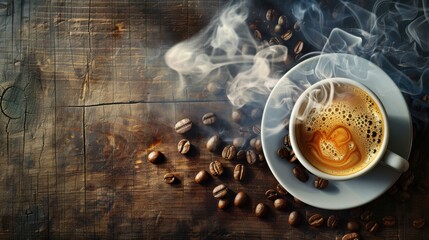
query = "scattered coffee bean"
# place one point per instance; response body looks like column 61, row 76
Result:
column 237, row 116
column 298, row 47
column 241, row 154
column 294, row 218
column 258, row 36
column 220, row 191
column 202, row 177
column 280, row 189
column 240, row 199
column 213, row 143
column 353, row 226
column 316, row 220
column 261, row 158
column 366, row 215
column 355, row 212
column 256, row 129
column 258, row 145
column 389, row 221
column 214, row 88
column 351, row 236
column 184, row 146
column 216, row 168
column 320, row 183
column 183, row 126
column 154, row 156
column 271, row 194
column 274, row 41
column 332, row 221
column 280, row 204
column 209, row 118
column 283, row 153
column 282, row 21
column 256, row 114
column 169, row 178
column 229, row 152
column 287, row 35
column 239, row 172
column 238, row 142
column 270, row 15
column 293, row 158
column 251, row 157
column 252, row 142
column 419, row 223
column 286, row 142
column 300, row 173
column 223, row 203
column 372, row 226
column 406, row 179
column 260, row 210
column 297, row 26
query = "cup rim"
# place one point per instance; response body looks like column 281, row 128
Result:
column 293, row 119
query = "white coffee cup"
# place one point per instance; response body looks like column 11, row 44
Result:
column 383, row 155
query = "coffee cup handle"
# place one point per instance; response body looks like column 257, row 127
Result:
column 395, row 161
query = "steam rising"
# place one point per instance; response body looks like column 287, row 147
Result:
column 393, row 35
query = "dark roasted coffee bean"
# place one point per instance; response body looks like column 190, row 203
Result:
column 351, row 236
column 280, row 204
column 355, row 212
column 278, row 28
column 213, row 143
column 389, row 221
column 261, row 158
column 257, row 34
column 316, row 220
column 184, row 146
column 274, row 41
column 332, row 221
column 298, row 47
column 258, row 145
column 214, row 88
column 282, row 21
column 287, row 35
column 239, row 172
column 353, row 226
column 270, row 15
column 154, row 156
column 297, row 26
column 169, row 178
column 220, row 191
column 300, row 173
column 286, row 142
column 252, row 142
column 223, row 203
column 292, row 157
column 283, row 153
column 229, row 152
column 183, row 126
column 366, row 215
column 280, row 189
column 260, row 210
column 241, row 154
column 419, row 223
column 256, row 113
column 209, row 118
column 294, row 218
column 406, row 179
column 271, row 194
column 202, row 177
column 238, row 142
column 240, row 199
column 372, row 226
column 216, row 168
column 256, row 129
column 320, row 183
column 251, row 157
column 237, row 116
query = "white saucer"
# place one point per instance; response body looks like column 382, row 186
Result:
column 338, row 194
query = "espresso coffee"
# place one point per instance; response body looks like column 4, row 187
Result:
column 340, row 130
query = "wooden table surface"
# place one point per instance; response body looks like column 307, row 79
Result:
column 86, row 95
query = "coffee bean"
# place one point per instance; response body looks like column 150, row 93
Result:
column 220, row 191
column 389, row 221
column 316, row 220
column 241, row 154
column 351, row 236
column 332, row 221
column 280, row 189
column 366, row 215
column 298, row 47
column 292, row 157
column 223, row 203
column 274, row 41
column 271, row 194
column 355, row 212
column 260, row 210
column 402, row 196
column 353, row 226
column 406, row 179
column 258, row 145
column 270, row 15
column 287, row 143
column 280, row 204
column 261, row 158
column 320, row 183
column 213, row 143
column 239, row 172
column 209, row 118
column 419, row 223
column 297, row 26
column 183, row 146
column 256, row 113
column 283, row 153
column 237, row 116
column 202, row 177
column 282, row 21
column 300, row 173
column 258, row 36
column 287, row 35
column 169, row 178
column 216, row 168
column 252, row 142
column 251, row 157
column 256, row 129
column 154, row 156
column 238, row 142
column 372, row 226
column 183, row 126
column 229, row 152
column 240, row 199
column 214, row 88
column 294, row 218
